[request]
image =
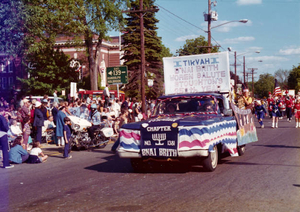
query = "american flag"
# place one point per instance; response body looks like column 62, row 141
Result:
column 277, row 90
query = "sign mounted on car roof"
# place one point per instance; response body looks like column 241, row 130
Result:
column 197, row 73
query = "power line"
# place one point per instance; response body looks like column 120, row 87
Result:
column 180, row 18
column 188, row 23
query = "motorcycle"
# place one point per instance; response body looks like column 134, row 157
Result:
column 80, row 138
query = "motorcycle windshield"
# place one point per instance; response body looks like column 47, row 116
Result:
column 80, row 112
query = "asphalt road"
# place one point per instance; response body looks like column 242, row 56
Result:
column 266, row 178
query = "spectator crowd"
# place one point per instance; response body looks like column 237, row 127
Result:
column 24, row 125
column 28, row 123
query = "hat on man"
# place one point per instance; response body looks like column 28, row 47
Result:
column 45, row 101
column 25, row 100
column 37, row 104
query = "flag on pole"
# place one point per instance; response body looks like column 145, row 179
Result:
column 277, row 90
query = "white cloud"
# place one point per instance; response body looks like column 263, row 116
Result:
column 238, row 40
column 274, row 59
column 290, row 51
column 248, row 2
column 184, row 38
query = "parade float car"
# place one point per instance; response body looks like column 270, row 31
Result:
column 195, row 121
column 194, row 128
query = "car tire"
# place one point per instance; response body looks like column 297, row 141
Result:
column 210, row 163
column 241, row 150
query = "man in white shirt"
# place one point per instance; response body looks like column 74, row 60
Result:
column 106, row 96
column 55, row 99
column 115, row 107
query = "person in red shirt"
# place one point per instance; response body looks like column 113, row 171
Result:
column 297, row 112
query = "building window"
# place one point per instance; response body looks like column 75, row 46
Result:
column 10, row 82
column 9, row 67
column 2, row 67
column 4, row 83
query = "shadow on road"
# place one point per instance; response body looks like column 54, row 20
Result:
column 120, row 165
column 258, row 164
column 278, row 146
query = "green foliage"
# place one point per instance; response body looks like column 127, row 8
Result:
column 165, row 52
column 154, row 51
column 50, row 73
column 32, row 27
column 294, row 78
column 12, row 31
column 195, row 46
column 264, row 85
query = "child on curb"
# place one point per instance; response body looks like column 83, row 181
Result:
column 67, row 136
column 37, row 152
column 260, row 112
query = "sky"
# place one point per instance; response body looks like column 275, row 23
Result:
column 273, row 28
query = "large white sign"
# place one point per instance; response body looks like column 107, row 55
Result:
column 197, row 73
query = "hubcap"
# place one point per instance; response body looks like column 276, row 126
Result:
column 214, row 157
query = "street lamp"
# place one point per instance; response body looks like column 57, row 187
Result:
column 242, row 21
column 209, row 29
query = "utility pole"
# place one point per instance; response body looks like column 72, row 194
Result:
column 141, row 12
column 142, row 57
column 209, row 26
column 252, row 72
column 244, row 71
column 235, row 65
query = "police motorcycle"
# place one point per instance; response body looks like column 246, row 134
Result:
column 80, row 137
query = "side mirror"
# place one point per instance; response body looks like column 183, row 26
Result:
column 227, row 112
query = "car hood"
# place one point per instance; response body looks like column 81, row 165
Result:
column 182, row 120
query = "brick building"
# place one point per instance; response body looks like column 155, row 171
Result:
column 110, row 54
column 10, row 69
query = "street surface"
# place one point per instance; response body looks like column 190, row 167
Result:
column 266, row 178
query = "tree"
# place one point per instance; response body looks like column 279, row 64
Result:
column 43, row 21
column 153, row 52
column 12, row 17
column 294, row 78
column 55, row 73
column 97, row 18
column 282, row 77
column 195, row 46
column 264, row 85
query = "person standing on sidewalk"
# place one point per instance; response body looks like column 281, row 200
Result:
column 67, row 136
column 38, row 121
column 60, row 125
column 4, row 142
column 106, row 96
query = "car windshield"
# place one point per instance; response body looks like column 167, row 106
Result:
column 196, row 104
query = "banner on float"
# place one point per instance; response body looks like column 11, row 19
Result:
column 247, row 131
column 197, row 73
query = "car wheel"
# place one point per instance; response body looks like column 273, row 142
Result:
column 241, row 150
column 210, row 163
